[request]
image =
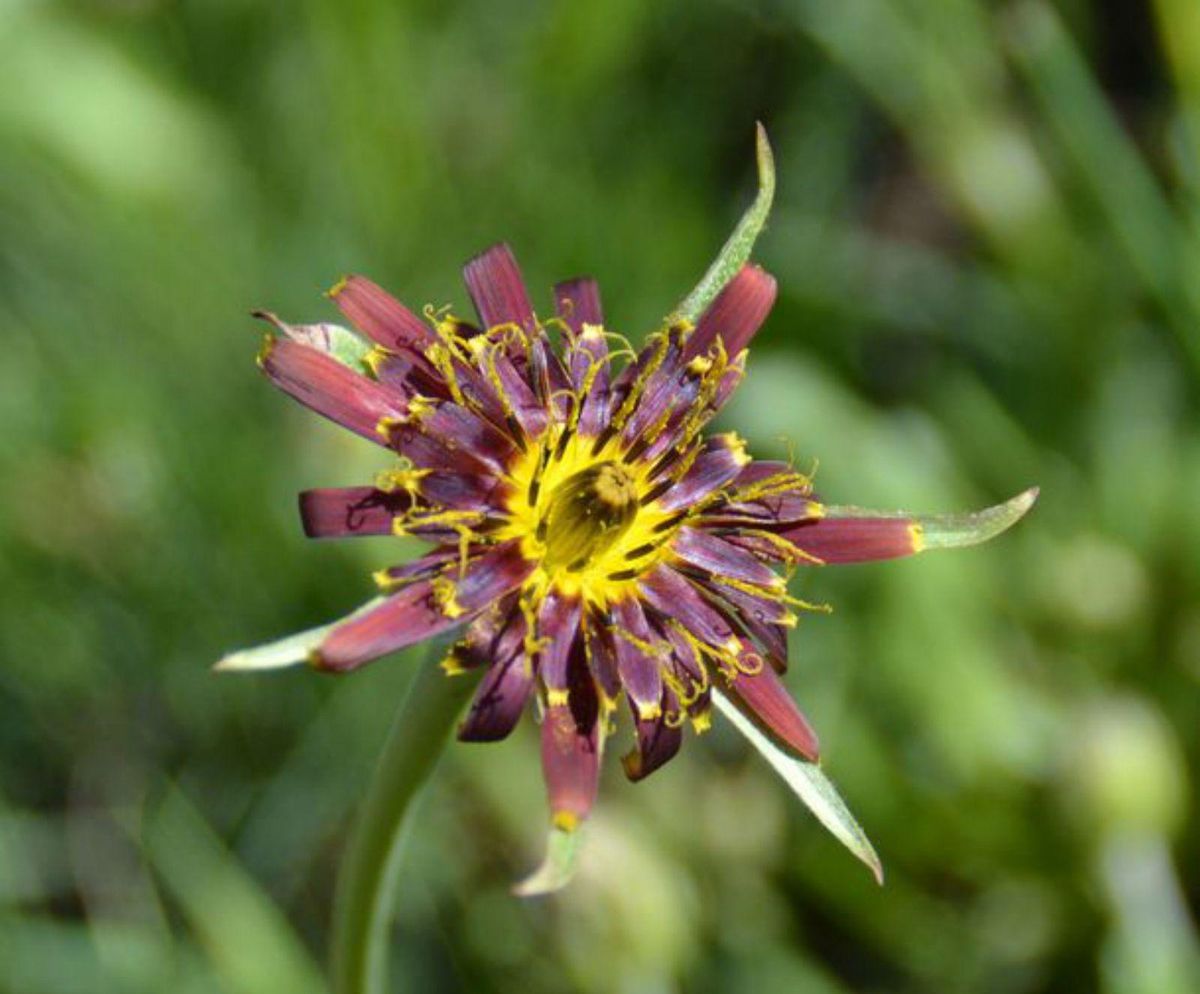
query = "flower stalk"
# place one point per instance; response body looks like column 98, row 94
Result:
column 366, row 887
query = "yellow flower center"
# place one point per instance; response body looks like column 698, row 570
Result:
column 586, row 514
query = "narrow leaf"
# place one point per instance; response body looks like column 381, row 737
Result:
column 557, row 869
column 247, row 937
column 289, row 651
column 810, row 785
column 736, row 251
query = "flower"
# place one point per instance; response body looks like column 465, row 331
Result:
column 589, row 539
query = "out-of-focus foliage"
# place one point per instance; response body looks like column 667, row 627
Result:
column 987, row 237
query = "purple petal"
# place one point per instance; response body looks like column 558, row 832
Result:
column 855, row 540
column 529, row 413
column 765, row 700
column 765, row 619
column 379, row 315
column 426, row 567
column 709, row 554
column 459, row 429
column 427, row 452
column 641, row 672
column 494, row 281
column 787, row 508
column 335, row 512
column 673, row 596
column 557, row 625
column 684, row 662
column 577, row 302
column 602, row 654
column 407, row 374
column 736, row 314
column 784, row 496
column 548, row 374
column 759, row 470
column 571, row 766
column 424, row 609
column 659, row 393
column 588, row 361
column 729, row 382
column 572, row 743
column 657, row 742
column 506, row 686
column 463, row 491
column 324, row 385
column 718, row 464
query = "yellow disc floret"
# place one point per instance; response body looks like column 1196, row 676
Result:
column 586, row 515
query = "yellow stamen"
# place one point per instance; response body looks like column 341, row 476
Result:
column 916, row 535
column 444, row 593
column 566, row 821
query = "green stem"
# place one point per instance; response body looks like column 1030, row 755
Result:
column 367, row 879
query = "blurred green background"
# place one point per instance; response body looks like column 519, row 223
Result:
column 987, row 239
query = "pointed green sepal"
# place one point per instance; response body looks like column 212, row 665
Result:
column 736, row 251
column 952, row 531
column 342, row 344
column 811, row 785
column 290, row 651
column 563, row 847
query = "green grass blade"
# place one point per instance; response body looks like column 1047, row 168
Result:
column 247, row 938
